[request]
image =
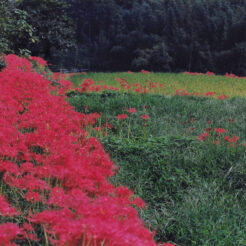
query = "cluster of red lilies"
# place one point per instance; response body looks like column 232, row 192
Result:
column 217, row 136
column 54, row 179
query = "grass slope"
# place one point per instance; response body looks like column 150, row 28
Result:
column 194, row 191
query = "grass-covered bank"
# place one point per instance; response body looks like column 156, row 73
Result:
column 194, row 190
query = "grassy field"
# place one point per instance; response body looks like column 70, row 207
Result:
column 194, row 190
column 172, row 82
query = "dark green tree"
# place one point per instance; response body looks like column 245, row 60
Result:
column 54, row 29
column 15, row 30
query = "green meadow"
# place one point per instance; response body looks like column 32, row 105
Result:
column 195, row 191
column 172, row 81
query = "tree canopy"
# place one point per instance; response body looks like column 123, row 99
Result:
column 117, row 35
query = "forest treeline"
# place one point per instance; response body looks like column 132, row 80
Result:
column 119, row 35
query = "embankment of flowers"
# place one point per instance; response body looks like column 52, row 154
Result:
column 54, row 186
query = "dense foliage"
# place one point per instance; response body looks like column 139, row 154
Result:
column 163, row 35
column 15, row 31
column 114, row 35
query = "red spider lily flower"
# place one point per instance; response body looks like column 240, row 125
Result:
column 5, row 209
column 32, row 196
column 131, row 110
column 210, row 93
column 203, row 136
column 220, row 130
column 40, row 126
column 84, row 73
column 227, row 138
column 108, row 125
column 221, row 97
column 208, row 129
column 9, row 232
column 122, row 116
column 138, row 202
column 210, row 73
column 129, row 72
column 233, row 139
column 144, row 117
column 40, row 61
column 144, row 71
column 86, row 107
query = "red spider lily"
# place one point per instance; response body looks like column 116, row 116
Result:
column 221, row 97
column 40, row 61
column 9, row 232
column 210, row 73
column 233, row 139
column 108, row 125
column 45, row 150
column 209, row 93
column 144, row 117
column 203, row 137
column 129, row 72
column 131, row 110
column 144, row 71
column 5, row 209
column 208, row 129
column 32, row 196
column 220, row 130
column 122, row 116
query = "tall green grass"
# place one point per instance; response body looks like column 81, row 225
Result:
column 195, row 191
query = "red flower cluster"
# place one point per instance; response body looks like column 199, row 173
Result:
column 46, row 157
column 144, row 71
column 122, row 116
column 229, row 75
column 88, row 85
column 131, row 110
column 144, row 117
column 216, row 132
